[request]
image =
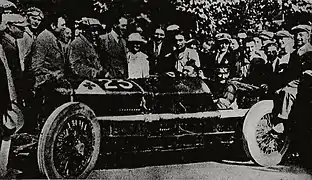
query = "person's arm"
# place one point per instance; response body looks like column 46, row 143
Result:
column 39, row 65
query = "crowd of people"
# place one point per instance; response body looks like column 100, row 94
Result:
column 44, row 65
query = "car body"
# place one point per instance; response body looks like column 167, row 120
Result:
column 108, row 116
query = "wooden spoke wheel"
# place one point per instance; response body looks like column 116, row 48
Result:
column 265, row 147
column 69, row 142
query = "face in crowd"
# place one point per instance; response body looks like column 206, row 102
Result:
column 271, row 52
column 180, row 41
column 34, row 21
column 121, row 27
column 234, row 44
column 249, row 48
column 136, row 46
column 66, row 35
column 283, row 42
column 301, row 38
column 223, row 74
column 159, row 35
column 207, row 45
column 60, row 26
column 258, row 43
column 224, row 45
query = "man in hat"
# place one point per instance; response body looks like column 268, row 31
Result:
column 34, row 18
column 223, row 57
column 300, row 63
column 83, row 51
column 14, row 29
column 113, row 51
column 12, row 119
column 285, row 44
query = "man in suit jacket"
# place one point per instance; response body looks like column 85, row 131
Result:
column 34, row 18
column 48, row 71
column 156, row 50
column 113, row 50
column 223, row 57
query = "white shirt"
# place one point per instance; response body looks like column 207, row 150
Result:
column 138, row 65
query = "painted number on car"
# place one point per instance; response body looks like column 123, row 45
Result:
column 117, row 84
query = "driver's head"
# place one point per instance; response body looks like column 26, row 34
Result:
column 223, row 75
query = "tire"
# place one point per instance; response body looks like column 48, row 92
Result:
column 69, row 142
column 257, row 127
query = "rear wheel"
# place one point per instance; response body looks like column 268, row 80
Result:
column 69, row 142
column 266, row 148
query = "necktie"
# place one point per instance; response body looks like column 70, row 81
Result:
column 276, row 66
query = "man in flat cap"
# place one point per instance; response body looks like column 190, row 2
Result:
column 300, row 63
column 11, row 85
column 285, row 44
column 14, row 29
column 223, row 58
column 34, row 18
column 83, row 51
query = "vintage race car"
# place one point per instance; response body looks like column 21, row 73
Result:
column 107, row 116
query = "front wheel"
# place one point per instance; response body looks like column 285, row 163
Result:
column 265, row 148
column 69, row 142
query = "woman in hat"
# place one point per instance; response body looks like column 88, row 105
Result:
column 138, row 64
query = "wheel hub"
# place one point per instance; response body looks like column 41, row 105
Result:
column 80, row 148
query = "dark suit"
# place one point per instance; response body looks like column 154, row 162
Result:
column 155, row 57
column 228, row 62
column 113, row 56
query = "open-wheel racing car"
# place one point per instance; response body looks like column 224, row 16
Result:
column 107, row 116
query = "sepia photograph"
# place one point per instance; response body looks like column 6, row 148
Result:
column 156, row 89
